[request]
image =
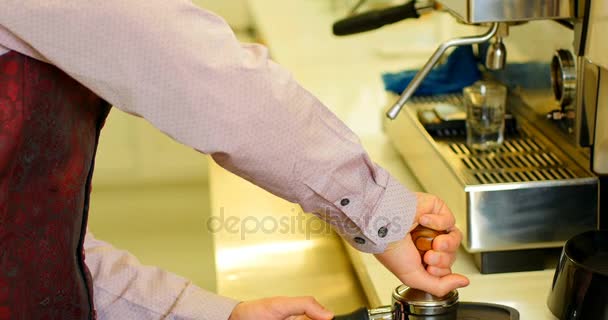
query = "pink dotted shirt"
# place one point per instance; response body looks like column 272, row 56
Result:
column 182, row 69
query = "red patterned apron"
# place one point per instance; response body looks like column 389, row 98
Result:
column 49, row 127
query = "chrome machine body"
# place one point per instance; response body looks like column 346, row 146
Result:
column 518, row 205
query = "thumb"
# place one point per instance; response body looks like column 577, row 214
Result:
column 435, row 285
column 303, row 306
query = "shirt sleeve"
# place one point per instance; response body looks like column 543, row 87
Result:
column 182, row 69
column 125, row 289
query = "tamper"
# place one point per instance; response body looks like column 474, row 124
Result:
column 410, row 303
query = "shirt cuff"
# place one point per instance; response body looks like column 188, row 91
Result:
column 380, row 213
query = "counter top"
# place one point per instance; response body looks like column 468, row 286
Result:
column 344, row 73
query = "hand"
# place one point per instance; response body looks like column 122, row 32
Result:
column 403, row 260
column 281, row 308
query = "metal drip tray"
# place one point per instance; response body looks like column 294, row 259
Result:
column 528, row 194
column 518, row 160
column 525, row 156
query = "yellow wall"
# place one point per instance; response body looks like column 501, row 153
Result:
column 150, row 197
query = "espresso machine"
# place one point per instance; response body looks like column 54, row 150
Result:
column 519, row 204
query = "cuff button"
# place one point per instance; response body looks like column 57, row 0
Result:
column 359, row 240
column 344, row 202
column 382, row 232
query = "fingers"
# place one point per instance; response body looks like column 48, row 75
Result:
column 438, row 272
column 448, row 242
column 433, row 213
column 430, row 204
column 404, row 262
column 444, row 251
column 288, row 307
column 439, row 259
column 438, row 221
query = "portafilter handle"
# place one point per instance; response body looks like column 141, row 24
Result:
column 360, row 314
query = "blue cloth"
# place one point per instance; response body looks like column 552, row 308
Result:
column 460, row 70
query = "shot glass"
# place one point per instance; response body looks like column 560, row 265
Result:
column 485, row 104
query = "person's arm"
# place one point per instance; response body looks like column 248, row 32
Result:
column 125, row 289
column 183, row 70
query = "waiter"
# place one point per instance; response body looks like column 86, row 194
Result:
column 64, row 62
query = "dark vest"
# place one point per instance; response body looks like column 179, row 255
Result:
column 49, row 128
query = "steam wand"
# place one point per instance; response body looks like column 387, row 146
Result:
column 415, row 83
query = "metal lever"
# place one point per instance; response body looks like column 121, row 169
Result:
column 415, row 83
column 360, row 314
